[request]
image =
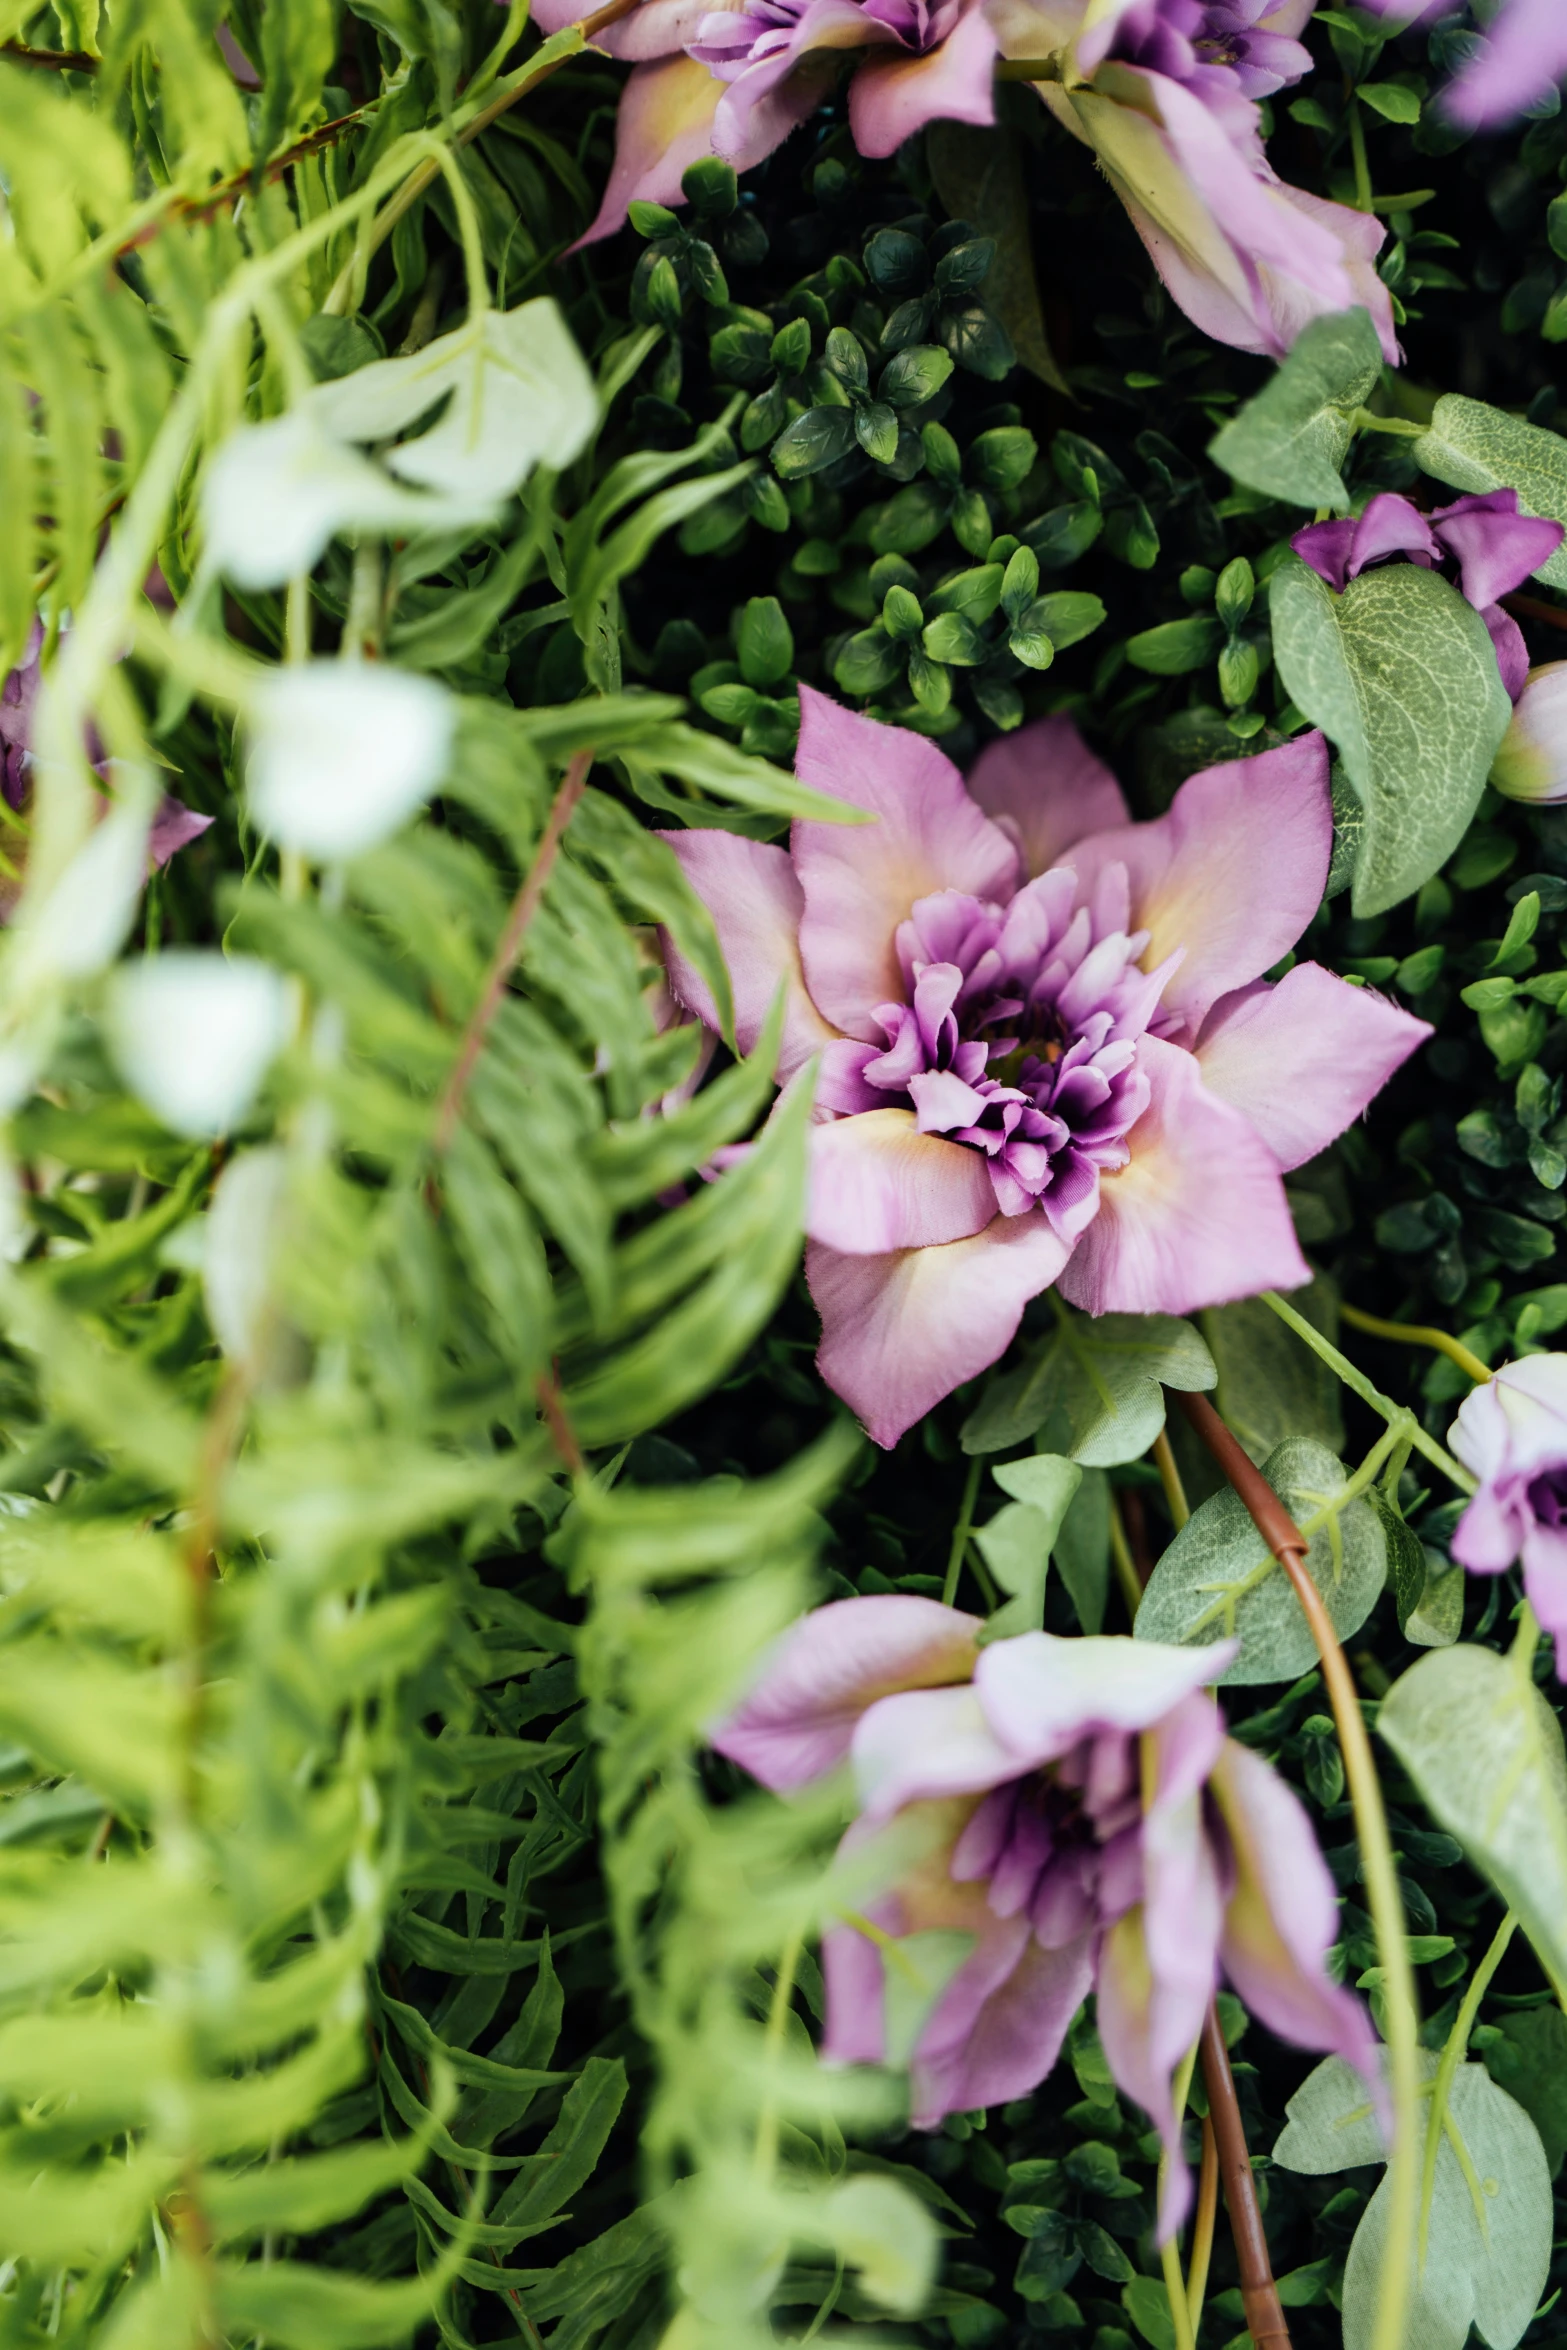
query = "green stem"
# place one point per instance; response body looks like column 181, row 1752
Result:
column 766, row 2154
column 960, row 1533
column 1125, row 1565
column 1419, row 1334
column 1452, row 2058
column 1170, row 2252
column 1358, row 1384
column 1357, row 147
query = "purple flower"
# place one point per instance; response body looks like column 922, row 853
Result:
column 1073, row 1809
column 1512, row 1435
column 1522, row 57
column 735, row 81
column 1494, row 547
column 1164, row 92
column 1047, row 1052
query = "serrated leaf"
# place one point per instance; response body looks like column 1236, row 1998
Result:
column 1474, row 447
column 1218, row 1581
column 1401, row 674
column 1485, row 1751
column 1290, row 441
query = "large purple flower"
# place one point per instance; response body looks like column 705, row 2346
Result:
column 1512, row 1435
column 1074, row 1811
column 1047, row 1052
column 1493, row 547
column 1164, row 92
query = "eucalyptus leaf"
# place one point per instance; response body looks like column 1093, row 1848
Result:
column 1017, row 1542
column 1485, row 1751
column 1106, row 1374
column 1218, row 1581
column 1473, row 447
column 1082, row 1552
column 1271, row 1384
column 1290, row 441
column 1401, row 674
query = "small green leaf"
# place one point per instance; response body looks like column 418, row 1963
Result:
column 902, row 615
column 1290, row 441
column 1017, row 1542
column 1067, row 616
column 868, row 663
column 1391, row 100
column 792, row 346
column 914, row 376
column 950, row 637
column 1176, row 646
column 845, row 355
column 1020, row 583
column 876, row 430
column 818, row 438
column 765, row 646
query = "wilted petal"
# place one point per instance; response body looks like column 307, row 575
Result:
column 893, row 95
column 1044, row 785
column 1302, row 1059
column 860, row 881
column 878, row 1184
column 801, row 1713
column 1041, row 1695
column 1198, row 1217
column 1233, row 873
column 1282, row 1916
column 750, row 890
column 343, row 752
column 901, row 1331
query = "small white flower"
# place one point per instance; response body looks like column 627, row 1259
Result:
column 193, row 1035
column 276, row 493
column 342, row 752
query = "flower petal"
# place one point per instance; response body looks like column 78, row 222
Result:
column 1517, row 1422
column 1282, row 1916
column 893, row 95
column 818, row 1679
column 998, row 2028
column 861, row 880
column 751, row 892
column 922, row 1745
column 1197, row 1218
column 1360, row 237
column 665, row 124
column 1046, row 788
column 1301, row 1060
column 901, row 1331
column 1041, row 1695
column 1524, row 55
column 878, row 1184
column 1233, row 873
column 1496, row 546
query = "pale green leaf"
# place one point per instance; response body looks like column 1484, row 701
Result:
column 1290, row 441
column 1106, row 1375
column 1473, row 447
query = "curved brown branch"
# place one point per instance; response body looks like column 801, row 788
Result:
column 1259, row 2294
column 49, row 60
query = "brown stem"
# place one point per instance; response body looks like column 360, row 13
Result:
column 524, row 906
column 1259, row 2294
column 1536, row 608
column 49, row 60
column 562, row 1433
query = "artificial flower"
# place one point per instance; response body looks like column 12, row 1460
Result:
column 734, row 81
column 1047, row 1050
column 1512, row 1434
column 1068, row 1815
column 1531, row 763
column 1522, row 57
column 1164, row 92
column 1494, row 547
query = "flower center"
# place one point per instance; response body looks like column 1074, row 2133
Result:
column 1548, row 1497
column 1019, row 1036
column 1062, row 1845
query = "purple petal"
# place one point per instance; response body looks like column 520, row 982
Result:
column 899, row 1332
column 1042, row 1695
column 892, row 96
column 1195, row 871
column 878, row 1184
column 664, row 125
column 1544, row 1557
column 1525, row 55
column 1491, row 1532
column 1282, row 1916
column 1326, row 547
column 802, row 1712
column 1197, row 1218
column 750, row 890
column 998, row 2028
column 1390, row 525
column 1301, row 1060
column 1046, row 787
column 174, row 827
column 1517, row 1422
column 860, row 881
column 1512, row 654
column 1496, row 547
column 924, row 1745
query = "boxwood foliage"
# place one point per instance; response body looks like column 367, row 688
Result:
column 383, row 1955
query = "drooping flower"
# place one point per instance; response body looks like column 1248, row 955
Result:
column 1531, row 763
column 1073, row 1813
column 1494, row 547
column 1164, row 92
column 1522, row 57
column 1512, row 1434
column 735, row 80
column 1047, row 1049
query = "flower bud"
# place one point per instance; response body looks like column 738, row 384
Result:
column 1531, row 763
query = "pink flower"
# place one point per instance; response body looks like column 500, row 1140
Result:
column 1531, row 763
column 1047, row 1049
column 734, row 81
column 1494, row 547
column 1075, row 1809
column 1522, row 57
column 1512, row 1435
column 1164, row 92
